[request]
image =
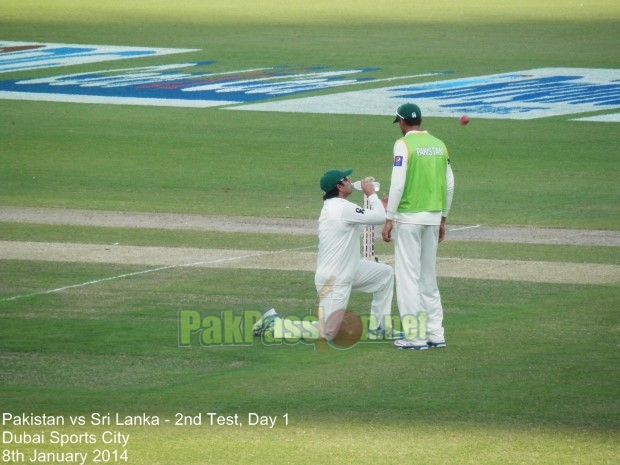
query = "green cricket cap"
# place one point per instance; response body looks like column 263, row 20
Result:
column 408, row 111
column 331, row 178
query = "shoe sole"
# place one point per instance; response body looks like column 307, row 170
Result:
column 437, row 345
column 412, row 347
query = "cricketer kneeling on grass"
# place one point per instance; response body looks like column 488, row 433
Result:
column 341, row 224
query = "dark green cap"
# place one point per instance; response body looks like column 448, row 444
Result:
column 331, row 178
column 408, row 112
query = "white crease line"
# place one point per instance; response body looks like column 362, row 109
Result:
column 153, row 270
column 464, row 227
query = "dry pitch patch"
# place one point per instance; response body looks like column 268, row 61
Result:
column 115, row 219
column 299, row 259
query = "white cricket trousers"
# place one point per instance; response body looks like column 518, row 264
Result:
column 370, row 277
column 415, row 257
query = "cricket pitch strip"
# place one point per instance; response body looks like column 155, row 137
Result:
column 301, row 259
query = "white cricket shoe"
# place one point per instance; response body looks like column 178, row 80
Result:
column 436, row 344
column 412, row 344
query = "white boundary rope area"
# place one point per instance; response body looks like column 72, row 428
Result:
column 153, row 270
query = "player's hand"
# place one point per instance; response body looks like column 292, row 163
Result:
column 386, row 234
column 368, row 188
column 442, row 230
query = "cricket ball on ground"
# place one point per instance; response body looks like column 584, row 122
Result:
column 464, row 120
column 344, row 328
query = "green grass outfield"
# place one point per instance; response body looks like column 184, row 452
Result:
column 530, row 375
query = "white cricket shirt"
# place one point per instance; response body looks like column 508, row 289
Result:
column 340, row 226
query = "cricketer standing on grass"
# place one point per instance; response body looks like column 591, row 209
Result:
column 420, row 198
column 341, row 224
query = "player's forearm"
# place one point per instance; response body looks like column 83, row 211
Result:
column 449, row 191
column 376, row 214
column 397, row 182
